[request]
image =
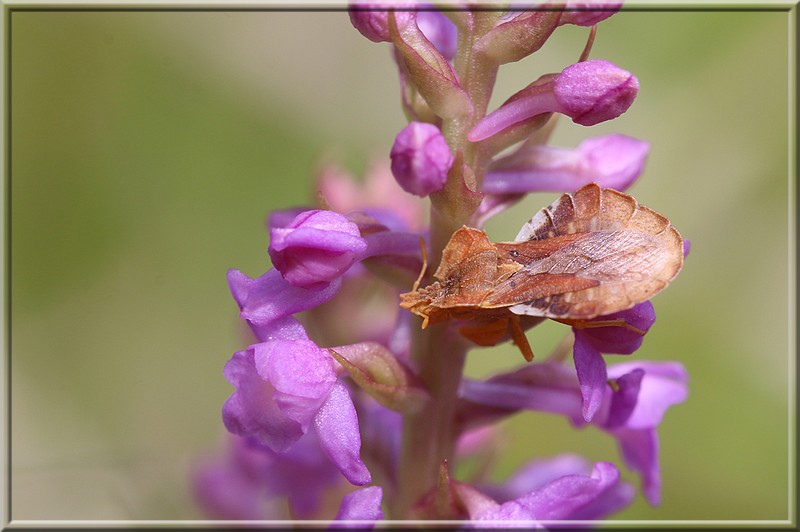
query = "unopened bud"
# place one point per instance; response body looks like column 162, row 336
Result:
column 589, row 92
column 371, row 20
column 594, row 91
column 315, row 248
column 421, row 159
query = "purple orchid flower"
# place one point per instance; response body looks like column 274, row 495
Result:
column 284, row 387
column 305, row 419
column 631, row 413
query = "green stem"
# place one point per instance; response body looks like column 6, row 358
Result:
column 430, row 436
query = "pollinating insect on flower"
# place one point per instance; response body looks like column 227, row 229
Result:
column 368, row 406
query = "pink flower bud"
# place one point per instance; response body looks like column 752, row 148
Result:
column 588, row 13
column 315, row 248
column 594, row 91
column 372, row 19
column 589, row 92
column 421, row 159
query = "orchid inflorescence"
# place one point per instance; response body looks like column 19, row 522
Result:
column 344, row 408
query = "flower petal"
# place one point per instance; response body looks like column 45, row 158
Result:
column 301, row 373
column 316, row 248
column 566, row 495
column 251, row 410
column 421, row 158
column 591, row 369
column 537, row 473
column 640, row 450
column 624, row 399
column 361, row 505
column 337, row 427
column 270, row 297
column 619, row 339
column 664, row 384
column 594, row 91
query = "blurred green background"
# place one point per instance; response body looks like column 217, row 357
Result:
column 148, row 147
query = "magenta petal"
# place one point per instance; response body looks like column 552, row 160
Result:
column 270, row 297
column 545, row 387
column 624, row 399
column 513, row 112
column 591, row 369
column 280, row 327
column 301, row 373
column 337, row 427
column 421, row 158
column 594, row 91
column 392, row 243
column 361, row 505
column 664, row 384
column 559, row 499
column 615, row 161
column 240, row 286
column 438, row 29
column 283, row 217
column 640, row 452
column 617, row 339
column 610, row 501
column 538, row 473
column 588, row 13
column 251, row 410
column 316, row 248
column 508, row 511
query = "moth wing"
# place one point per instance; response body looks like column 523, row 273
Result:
column 596, row 253
column 469, row 269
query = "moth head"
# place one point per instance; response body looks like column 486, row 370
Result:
column 420, row 301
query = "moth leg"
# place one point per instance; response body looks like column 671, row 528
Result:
column 424, row 254
column 520, row 339
column 592, row 324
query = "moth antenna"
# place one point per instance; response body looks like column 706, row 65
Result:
column 424, row 253
column 520, row 339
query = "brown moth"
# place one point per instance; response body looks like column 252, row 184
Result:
column 588, row 254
